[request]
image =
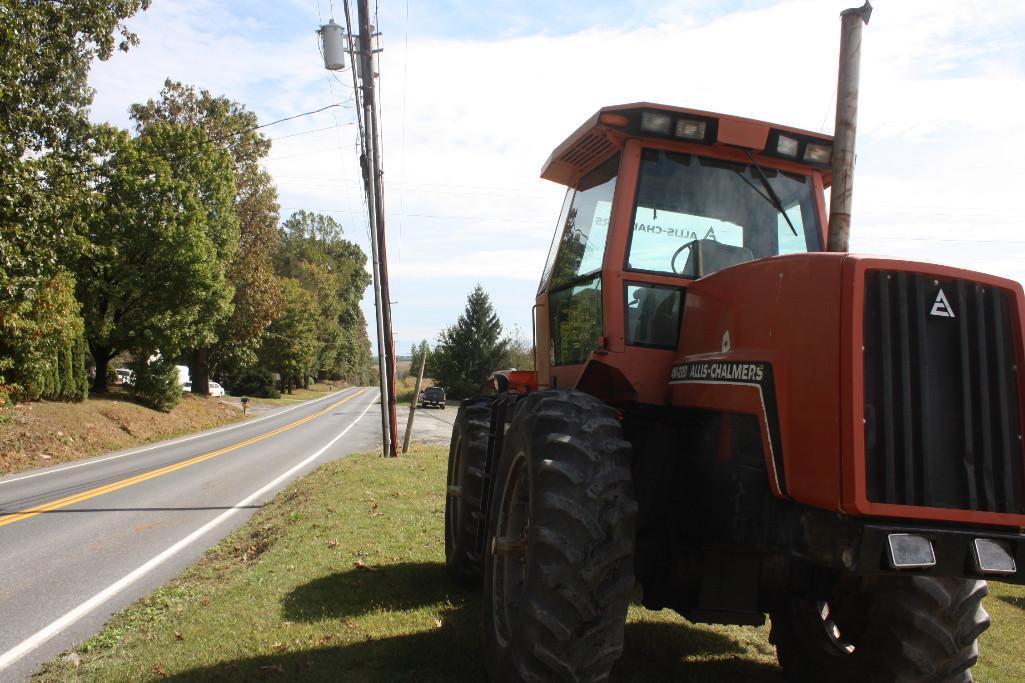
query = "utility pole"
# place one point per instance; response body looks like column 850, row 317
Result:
column 375, row 208
column 412, row 404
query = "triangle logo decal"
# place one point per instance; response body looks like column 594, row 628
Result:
column 941, row 307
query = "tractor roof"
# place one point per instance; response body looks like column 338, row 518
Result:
column 591, row 142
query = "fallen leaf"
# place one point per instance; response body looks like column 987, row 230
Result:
column 332, row 544
column 277, row 668
column 178, row 636
column 279, row 646
column 159, row 670
column 360, row 564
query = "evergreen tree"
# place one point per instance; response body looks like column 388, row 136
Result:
column 470, row 350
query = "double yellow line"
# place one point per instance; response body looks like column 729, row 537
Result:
column 13, row 517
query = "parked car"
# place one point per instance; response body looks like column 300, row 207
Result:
column 125, row 376
column 432, row 396
column 215, row 388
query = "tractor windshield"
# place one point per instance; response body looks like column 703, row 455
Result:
column 696, row 215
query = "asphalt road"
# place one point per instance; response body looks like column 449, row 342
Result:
column 81, row 541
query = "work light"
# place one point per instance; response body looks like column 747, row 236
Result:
column 690, row 129
column 656, row 122
column 786, row 146
column 817, row 154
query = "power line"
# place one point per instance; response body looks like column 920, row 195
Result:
column 199, row 146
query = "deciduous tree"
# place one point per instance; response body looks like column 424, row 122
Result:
column 230, row 126
column 153, row 276
column 46, row 49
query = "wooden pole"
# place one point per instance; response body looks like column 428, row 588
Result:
column 412, row 404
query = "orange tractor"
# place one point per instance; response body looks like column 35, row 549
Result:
column 739, row 421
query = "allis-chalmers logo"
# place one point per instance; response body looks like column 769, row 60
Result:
column 941, row 307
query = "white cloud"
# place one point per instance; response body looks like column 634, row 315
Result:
column 468, row 123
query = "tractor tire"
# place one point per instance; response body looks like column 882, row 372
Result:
column 466, row 458
column 558, row 570
column 913, row 629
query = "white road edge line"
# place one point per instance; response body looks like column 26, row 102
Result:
column 53, row 628
column 165, row 444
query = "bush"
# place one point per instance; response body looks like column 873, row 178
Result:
column 156, row 383
column 42, row 346
column 258, row 382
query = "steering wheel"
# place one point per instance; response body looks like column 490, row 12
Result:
column 676, row 255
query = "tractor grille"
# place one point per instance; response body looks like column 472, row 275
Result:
column 942, row 419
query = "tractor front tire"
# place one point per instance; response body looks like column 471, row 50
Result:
column 891, row 629
column 558, row 571
column 466, row 458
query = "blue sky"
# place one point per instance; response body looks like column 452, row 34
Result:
column 475, row 96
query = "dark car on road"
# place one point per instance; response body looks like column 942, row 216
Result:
column 432, row 396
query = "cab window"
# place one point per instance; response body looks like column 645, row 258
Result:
column 574, row 282
column 694, row 215
column 581, row 247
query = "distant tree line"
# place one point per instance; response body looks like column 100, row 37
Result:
column 161, row 242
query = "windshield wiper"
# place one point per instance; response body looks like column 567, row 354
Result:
column 772, row 197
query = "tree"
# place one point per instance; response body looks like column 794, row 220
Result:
column 47, row 48
column 153, row 275
column 333, row 271
column 520, row 351
column 417, row 354
column 290, row 344
column 470, row 350
column 257, row 291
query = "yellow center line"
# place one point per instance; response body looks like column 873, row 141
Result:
column 12, row 517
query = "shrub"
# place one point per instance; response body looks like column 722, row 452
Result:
column 42, row 344
column 258, row 382
column 156, row 383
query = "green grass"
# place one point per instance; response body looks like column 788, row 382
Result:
column 341, row 577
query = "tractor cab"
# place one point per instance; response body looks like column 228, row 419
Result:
column 660, row 197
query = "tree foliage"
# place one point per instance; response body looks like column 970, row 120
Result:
column 519, row 352
column 230, row 126
column 417, row 354
column 471, row 349
column 153, row 276
column 332, row 272
column 156, row 382
column 42, row 338
column 290, row 343
column 46, row 49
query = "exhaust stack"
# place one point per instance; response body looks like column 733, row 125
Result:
column 846, row 127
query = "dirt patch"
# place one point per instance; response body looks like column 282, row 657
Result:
column 47, row 433
column 258, row 541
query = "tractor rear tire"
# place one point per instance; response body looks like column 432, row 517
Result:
column 466, row 458
column 901, row 629
column 558, row 570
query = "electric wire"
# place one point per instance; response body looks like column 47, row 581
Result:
column 201, row 147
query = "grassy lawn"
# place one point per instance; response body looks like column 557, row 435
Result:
column 341, row 578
